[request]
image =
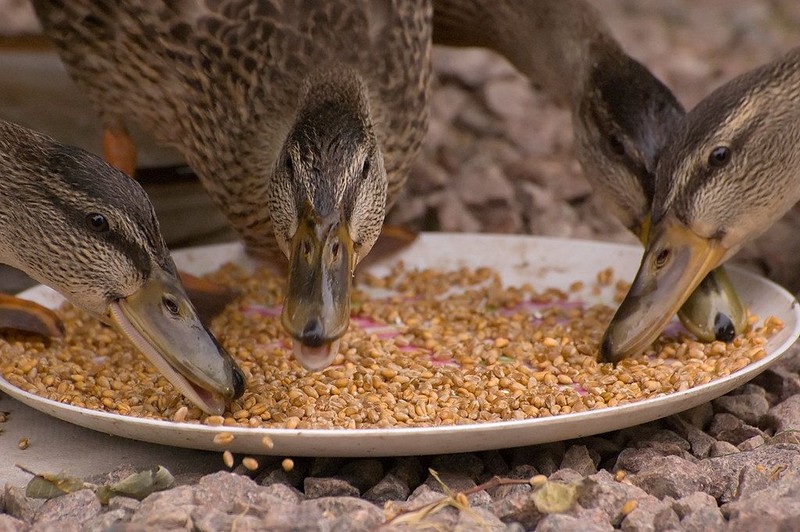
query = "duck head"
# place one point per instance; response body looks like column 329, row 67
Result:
column 89, row 231
column 327, row 202
column 727, row 173
column 622, row 120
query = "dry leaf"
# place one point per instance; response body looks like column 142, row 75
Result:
column 555, row 497
column 138, row 486
column 50, row 486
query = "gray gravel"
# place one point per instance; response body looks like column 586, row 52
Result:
column 499, row 158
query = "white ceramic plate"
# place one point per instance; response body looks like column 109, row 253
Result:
column 551, row 262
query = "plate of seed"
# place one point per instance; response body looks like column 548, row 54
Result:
column 457, row 343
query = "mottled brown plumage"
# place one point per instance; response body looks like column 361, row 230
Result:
column 222, row 81
column 300, row 117
column 726, row 174
column 78, row 225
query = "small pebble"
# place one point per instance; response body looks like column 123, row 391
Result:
column 23, row 443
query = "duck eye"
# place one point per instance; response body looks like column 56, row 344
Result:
column 720, row 156
column 289, row 164
column 661, row 258
column 335, row 249
column 171, row 305
column 616, row 145
column 97, row 222
column 365, row 169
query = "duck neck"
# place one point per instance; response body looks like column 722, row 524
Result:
column 553, row 42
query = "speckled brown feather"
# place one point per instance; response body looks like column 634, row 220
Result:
column 220, row 80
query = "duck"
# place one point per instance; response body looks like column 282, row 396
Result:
column 727, row 173
column 621, row 115
column 301, row 119
column 89, row 231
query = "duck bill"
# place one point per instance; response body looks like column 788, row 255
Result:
column 674, row 262
column 178, row 344
column 316, row 311
column 714, row 310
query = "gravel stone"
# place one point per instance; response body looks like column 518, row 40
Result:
column 360, row 512
column 670, row 476
column 224, row 491
column 517, row 507
column 698, row 512
column 77, row 506
column 748, row 407
column 545, row 458
column 754, row 470
column 651, row 515
column 283, row 493
column 389, row 488
column 566, row 476
column 578, row 458
column 316, row 487
column 467, row 463
column 11, row 524
column 494, row 464
column 123, row 503
column 565, row 522
column 602, row 492
column 479, row 519
column 699, row 416
column 776, row 507
column 729, row 428
column 666, row 442
column 633, row 460
column 166, row 509
column 751, row 443
column 785, row 415
column 722, row 448
column 783, row 382
column 106, row 520
column 695, row 502
column 18, row 505
column 699, row 442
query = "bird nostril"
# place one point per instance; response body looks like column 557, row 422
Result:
column 724, row 329
column 239, row 382
column 312, row 334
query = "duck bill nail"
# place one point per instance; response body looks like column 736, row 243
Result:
column 316, row 311
column 714, row 311
column 674, row 262
column 163, row 324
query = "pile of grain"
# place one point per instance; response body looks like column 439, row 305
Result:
column 424, row 348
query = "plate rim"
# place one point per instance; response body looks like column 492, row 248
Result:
column 645, row 408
